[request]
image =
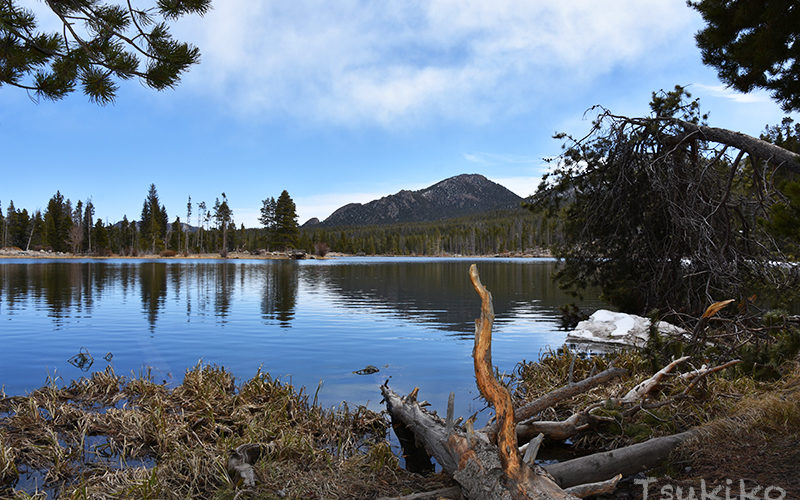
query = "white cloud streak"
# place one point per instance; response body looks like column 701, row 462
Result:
column 758, row 96
column 389, row 63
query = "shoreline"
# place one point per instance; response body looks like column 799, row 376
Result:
column 7, row 253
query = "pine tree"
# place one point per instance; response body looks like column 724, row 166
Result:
column 112, row 40
column 153, row 224
column 267, row 217
column 102, row 244
column 3, row 228
column 57, row 222
column 223, row 216
column 175, row 235
column 753, row 44
column 17, row 226
column 286, row 228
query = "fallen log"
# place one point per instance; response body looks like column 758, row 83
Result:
column 639, row 392
column 557, row 431
column 592, row 489
column 626, row 461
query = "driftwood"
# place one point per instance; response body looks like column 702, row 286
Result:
column 644, row 388
column 559, row 430
column 626, row 461
column 488, row 464
column 598, row 488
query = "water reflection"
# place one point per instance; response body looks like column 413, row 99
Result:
column 437, row 293
column 153, row 286
column 279, row 296
column 67, row 291
column 308, row 320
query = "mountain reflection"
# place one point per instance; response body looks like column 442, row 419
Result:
column 435, row 292
column 438, row 292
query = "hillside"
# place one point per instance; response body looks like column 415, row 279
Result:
column 453, row 197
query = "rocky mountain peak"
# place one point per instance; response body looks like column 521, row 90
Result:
column 453, row 197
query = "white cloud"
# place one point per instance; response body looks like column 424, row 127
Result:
column 354, row 62
column 757, row 96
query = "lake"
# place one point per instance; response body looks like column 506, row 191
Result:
column 305, row 322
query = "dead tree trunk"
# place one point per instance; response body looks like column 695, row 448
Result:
column 468, row 456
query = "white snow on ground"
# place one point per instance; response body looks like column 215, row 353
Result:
column 614, row 328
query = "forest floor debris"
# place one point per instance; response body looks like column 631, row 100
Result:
column 749, row 429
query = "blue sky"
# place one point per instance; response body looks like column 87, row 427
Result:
column 348, row 101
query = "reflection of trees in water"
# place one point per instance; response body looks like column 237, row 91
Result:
column 279, row 297
column 153, row 285
column 67, row 288
column 440, row 293
column 225, row 283
column 437, row 292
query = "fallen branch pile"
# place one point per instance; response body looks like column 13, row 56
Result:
column 489, row 463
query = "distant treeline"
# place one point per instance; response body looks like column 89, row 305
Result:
column 68, row 227
column 72, row 228
column 501, row 231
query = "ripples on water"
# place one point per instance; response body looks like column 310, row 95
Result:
column 305, row 322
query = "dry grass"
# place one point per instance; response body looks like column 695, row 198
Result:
column 757, row 441
column 110, row 436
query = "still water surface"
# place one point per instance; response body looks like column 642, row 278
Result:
column 302, row 321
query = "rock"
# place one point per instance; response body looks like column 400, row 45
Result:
column 618, row 329
column 367, row 370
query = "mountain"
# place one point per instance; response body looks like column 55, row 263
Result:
column 453, row 197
